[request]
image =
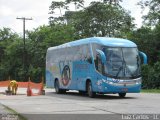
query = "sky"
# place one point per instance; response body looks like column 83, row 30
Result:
column 38, row 10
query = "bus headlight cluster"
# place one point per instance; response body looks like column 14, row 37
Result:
column 108, row 82
column 121, row 82
column 139, row 81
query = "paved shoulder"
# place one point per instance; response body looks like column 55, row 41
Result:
column 4, row 110
column 6, row 114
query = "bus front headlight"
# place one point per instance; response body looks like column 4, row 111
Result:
column 108, row 82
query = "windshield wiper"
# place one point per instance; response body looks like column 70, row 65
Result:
column 120, row 68
column 128, row 69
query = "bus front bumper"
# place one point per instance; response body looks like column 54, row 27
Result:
column 122, row 86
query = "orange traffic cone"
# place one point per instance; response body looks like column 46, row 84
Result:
column 29, row 91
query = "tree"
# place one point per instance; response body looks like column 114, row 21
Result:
column 101, row 19
column 57, row 5
column 78, row 3
column 147, row 39
column 116, row 2
column 98, row 19
column 63, row 6
column 153, row 17
column 10, row 53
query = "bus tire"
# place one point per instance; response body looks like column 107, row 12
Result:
column 90, row 92
column 56, row 86
column 122, row 95
column 63, row 91
column 82, row 92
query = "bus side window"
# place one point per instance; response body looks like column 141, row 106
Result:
column 88, row 52
column 85, row 53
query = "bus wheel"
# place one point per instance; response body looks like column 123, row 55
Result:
column 91, row 94
column 122, row 95
column 63, row 91
column 82, row 92
column 56, row 86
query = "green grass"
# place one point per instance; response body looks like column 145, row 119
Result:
column 150, row 90
column 20, row 117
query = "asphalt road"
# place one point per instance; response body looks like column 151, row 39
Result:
column 73, row 106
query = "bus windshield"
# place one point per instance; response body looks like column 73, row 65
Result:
column 122, row 62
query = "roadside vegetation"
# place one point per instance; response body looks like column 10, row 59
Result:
column 106, row 18
column 13, row 114
column 150, row 90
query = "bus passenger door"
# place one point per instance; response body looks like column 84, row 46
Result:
column 99, row 65
column 100, row 70
column 100, row 62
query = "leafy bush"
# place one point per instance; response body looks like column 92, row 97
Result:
column 151, row 76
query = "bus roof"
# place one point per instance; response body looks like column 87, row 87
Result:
column 111, row 42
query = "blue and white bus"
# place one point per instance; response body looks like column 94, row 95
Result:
column 95, row 65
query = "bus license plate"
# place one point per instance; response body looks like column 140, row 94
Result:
column 124, row 89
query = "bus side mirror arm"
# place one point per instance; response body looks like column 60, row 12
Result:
column 103, row 57
column 144, row 57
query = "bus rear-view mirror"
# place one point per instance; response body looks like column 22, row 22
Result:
column 102, row 55
column 144, row 56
